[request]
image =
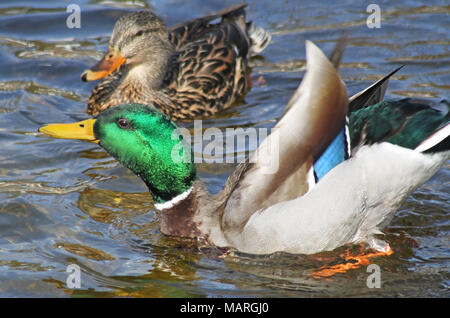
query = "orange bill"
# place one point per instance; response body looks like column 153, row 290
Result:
column 82, row 130
column 108, row 64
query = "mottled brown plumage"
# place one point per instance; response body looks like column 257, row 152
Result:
column 193, row 70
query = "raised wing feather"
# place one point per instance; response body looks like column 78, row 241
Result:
column 341, row 147
column 316, row 114
column 372, row 94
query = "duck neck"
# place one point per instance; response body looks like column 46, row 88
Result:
column 177, row 216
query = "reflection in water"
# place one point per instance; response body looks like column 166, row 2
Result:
column 68, row 202
column 106, row 205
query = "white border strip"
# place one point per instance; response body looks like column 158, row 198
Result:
column 434, row 139
column 175, row 200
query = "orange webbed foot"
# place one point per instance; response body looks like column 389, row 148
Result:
column 351, row 262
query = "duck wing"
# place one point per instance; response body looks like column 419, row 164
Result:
column 316, row 114
column 338, row 51
column 208, row 69
column 190, row 30
column 372, row 94
column 410, row 141
column 406, row 122
column 340, row 148
column 208, row 73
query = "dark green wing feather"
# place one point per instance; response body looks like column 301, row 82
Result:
column 405, row 122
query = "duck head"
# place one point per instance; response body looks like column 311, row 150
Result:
column 144, row 140
column 138, row 39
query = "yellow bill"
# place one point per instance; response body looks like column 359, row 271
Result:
column 82, row 130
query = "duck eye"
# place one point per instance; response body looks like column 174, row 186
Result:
column 123, row 123
column 139, row 33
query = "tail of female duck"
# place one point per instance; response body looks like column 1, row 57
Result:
column 259, row 38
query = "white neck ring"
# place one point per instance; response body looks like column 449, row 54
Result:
column 173, row 201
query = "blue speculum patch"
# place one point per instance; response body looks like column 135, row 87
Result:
column 332, row 156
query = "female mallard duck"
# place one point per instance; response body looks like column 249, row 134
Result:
column 304, row 206
column 194, row 69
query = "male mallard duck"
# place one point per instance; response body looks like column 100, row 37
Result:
column 194, row 69
column 303, row 206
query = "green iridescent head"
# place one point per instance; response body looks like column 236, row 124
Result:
column 143, row 139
